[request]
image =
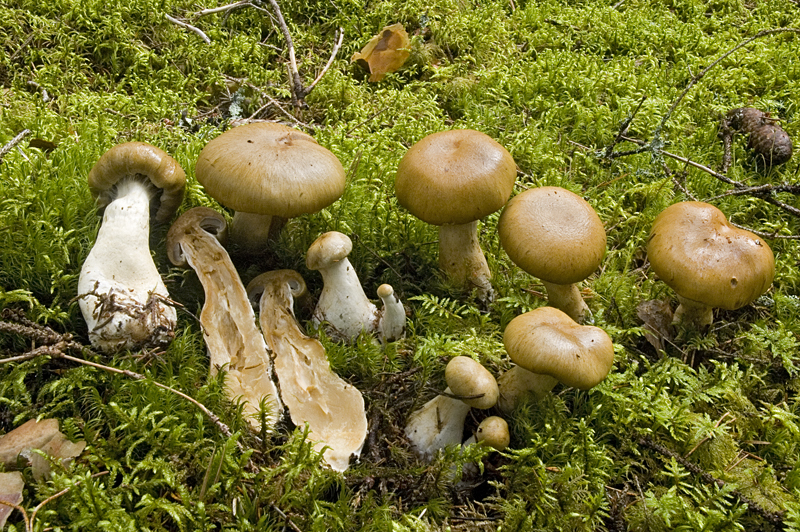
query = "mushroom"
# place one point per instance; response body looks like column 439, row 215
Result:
column 440, row 421
column 120, row 292
column 453, row 179
column 708, row 262
column 555, row 235
column 264, row 170
column 342, row 303
column 229, row 323
column 548, row 347
column 493, row 431
column 313, row 393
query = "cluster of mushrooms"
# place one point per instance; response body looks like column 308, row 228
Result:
column 451, row 179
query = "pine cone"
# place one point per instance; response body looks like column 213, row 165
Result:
column 746, row 119
column 771, row 144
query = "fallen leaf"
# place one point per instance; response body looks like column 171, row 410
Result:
column 384, row 53
column 11, row 485
column 38, row 435
column 657, row 318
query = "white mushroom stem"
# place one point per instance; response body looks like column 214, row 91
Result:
column 567, row 298
column 462, row 259
column 121, row 294
column 438, row 424
column 313, row 393
column 249, row 232
column 343, row 303
column 518, row 382
column 229, row 323
column 392, row 323
column 693, row 314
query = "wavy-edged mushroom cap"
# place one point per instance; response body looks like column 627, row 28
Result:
column 493, row 431
column 552, row 234
column 132, row 159
column 548, row 342
column 471, row 382
column 455, row 177
column 328, row 248
column 208, row 219
column 699, row 254
column 272, row 169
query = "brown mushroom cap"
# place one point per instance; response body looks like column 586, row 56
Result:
column 553, row 234
column 139, row 158
column 455, row 177
column 267, row 168
column 493, row 431
column 328, row 248
column 699, row 254
column 466, row 378
column 185, row 227
column 548, row 342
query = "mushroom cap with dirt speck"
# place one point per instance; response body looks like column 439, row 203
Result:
column 455, row 177
column 553, row 234
column 270, row 169
column 329, row 248
column 493, row 431
column 548, row 342
column 132, row 159
column 471, row 382
column 699, row 254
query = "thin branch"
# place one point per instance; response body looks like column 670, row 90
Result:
column 623, row 128
column 13, row 142
column 224, row 9
column 298, row 91
column 336, row 47
column 189, row 27
column 272, row 100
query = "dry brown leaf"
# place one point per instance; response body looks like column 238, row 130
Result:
column 38, row 435
column 384, row 53
column 11, row 485
column 657, row 318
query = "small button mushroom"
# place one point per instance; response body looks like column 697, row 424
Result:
column 313, row 393
column 440, row 421
column 556, row 236
column 392, row 321
column 708, row 262
column 263, row 171
column 548, row 347
column 493, row 431
column 229, row 324
column 453, row 179
column 120, row 292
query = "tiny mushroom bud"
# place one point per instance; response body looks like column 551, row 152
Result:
column 392, row 321
column 555, row 235
column 440, row 421
column 707, row 261
column 313, row 393
column 453, row 179
column 493, row 431
column 549, row 347
column 229, row 323
column 342, row 302
column 264, row 170
column 121, row 294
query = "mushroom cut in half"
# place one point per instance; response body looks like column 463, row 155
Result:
column 266, row 171
column 549, row 347
column 708, row 262
column 556, row 236
column 229, row 323
column 120, row 292
column 313, row 393
column 453, row 179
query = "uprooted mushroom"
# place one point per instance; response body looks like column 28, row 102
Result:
column 229, row 323
column 342, row 303
column 313, row 393
column 121, row 294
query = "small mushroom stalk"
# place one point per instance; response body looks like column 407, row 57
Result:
column 518, row 382
column 392, row 323
column 229, row 323
column 462, row 259
column 313, row 393
column 121, row 295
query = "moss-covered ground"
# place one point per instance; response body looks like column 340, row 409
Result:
column 552, row 81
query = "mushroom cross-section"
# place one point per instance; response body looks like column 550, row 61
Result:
column 548, row 347
column 313, row 393
column 453, row 179
column 120, row 292
column 440, row 421
column 229, row 323
column 707, row 261
column 265, row 170
column 555, row 235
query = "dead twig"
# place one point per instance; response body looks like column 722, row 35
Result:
column 623, row 128
column 336, row 46
column 224, row 9
column 295, row 82
column 189, row 27
column 13, row 142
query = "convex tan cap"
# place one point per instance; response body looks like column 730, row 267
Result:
column 699, row 254
column 552, row 234
column 329, row 248
column 455, row 177
column 132, row 159
column 548, row 342
column 271, row 169
column 472, row 382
